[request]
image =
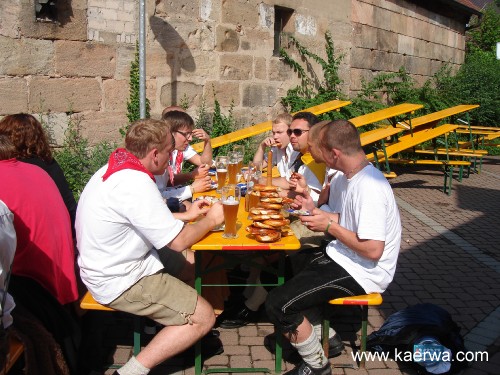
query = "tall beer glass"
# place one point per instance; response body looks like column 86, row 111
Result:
column 232, row 167
column 221, row 171
column 240, row 149
column 231, row 196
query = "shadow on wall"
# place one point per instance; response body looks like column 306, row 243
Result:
column 179, row 56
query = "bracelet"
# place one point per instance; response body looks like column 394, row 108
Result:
column 328, row 226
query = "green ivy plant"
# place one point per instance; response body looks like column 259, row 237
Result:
column 133, row 103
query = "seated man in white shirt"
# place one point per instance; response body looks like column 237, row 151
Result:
column 120, row 222
column 279, row 143
column 172, row 182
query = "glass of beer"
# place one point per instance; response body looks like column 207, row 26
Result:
column 240, row 149
column 232, row 167
column 221, row 171
column 231, row 196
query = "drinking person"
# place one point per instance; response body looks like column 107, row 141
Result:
column 122, row 223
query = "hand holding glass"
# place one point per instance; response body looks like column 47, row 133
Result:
column 231, row 196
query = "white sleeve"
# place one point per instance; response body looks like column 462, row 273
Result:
column 189, row 152
column 181, row 193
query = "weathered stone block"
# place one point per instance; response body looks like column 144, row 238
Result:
column 84, row 59
column 357, row 76
column 14, row 94
column 225, row 92
column 398, row 23
column 115, row 95
column 362, row 13
column 226, row 39
column 387, row 41
column 260, row 68
column 57, row 123
column 258, row 96
column 361, row 58
column 102, row 126
column 26, row 56
column 382, row 18
column 124, row 57
column 9, row 21
column 364, row 36
column 64, row 94
column 158, row 62
column 260, row 41
column 405, row 45
column 200, row 64
column 240, row 12
column 238, row 67
column 72, row 23
column 172, row 93
column 279, row 71
column 188, row 9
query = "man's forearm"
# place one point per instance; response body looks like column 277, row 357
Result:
column 207, row 154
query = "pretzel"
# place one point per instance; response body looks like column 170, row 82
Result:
column 276, row 223
column 262, row 211
column 286, row 231
column 268, row 194
column 267, row 217
column 271, row 200
column 260, row 187
column 261, row 224
column 254, row 230
column 270, row 206
column 269, row 237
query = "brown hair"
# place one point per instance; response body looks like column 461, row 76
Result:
column 27, row 135
column 178, row 120
column 285, row 118
column 146, row 134
column 7, row 149
column 342, row 135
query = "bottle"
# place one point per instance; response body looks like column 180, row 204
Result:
column 432, row 355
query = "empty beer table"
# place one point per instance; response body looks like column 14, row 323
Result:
column 247, row 250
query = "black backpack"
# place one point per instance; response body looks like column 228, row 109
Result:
column 404, row 328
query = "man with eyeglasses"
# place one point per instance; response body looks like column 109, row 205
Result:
column 182, row 126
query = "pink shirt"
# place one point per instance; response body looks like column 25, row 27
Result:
column 44, row 242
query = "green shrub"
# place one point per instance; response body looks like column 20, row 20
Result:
column 78, row 160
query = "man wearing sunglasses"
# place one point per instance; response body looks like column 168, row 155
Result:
column 304, row 165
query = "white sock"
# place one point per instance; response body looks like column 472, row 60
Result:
column 318, row 329
column 311, row 351
column 257, row 298
column 133, row 367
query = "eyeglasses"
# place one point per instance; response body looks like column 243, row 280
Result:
column 186, row 135
column 296, row 132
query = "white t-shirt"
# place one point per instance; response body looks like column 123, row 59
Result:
column 283, row 159
column 119, row 224
column 367, row 206
column 312, row 181
column 8, row 243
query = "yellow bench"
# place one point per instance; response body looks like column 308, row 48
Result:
column 266, row 126
column 16, row 349
column 432, row 119
column 373, row 299
column 385, row 114
column 465, row 155
column 89, row 303
column 446, row 164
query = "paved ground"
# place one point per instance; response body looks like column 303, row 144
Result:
column 450, row 256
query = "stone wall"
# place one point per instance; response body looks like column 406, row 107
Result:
column 80, row 66
column 390, row 34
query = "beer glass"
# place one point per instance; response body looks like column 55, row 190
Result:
column 221, row 171
column 232, row 167
column 231, row 196
column 240, row 150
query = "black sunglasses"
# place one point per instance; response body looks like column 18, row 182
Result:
column 186, row 135
column 295, row 132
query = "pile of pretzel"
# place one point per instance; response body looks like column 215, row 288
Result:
column 269, row 224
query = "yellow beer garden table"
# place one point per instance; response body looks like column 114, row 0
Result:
column 241, row 250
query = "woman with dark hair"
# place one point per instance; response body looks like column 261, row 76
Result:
column 32, row 146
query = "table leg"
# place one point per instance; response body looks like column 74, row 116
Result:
column 279, row 336
column 197, row 286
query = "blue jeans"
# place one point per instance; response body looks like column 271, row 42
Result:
column 318, row 282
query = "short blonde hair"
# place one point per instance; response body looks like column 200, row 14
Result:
column 147, row 134
column 285, row 118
